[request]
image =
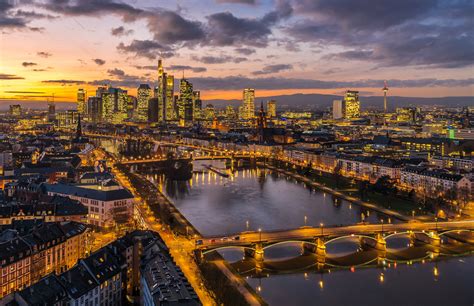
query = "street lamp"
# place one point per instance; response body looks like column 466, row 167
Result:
column 305, row 220
column 247, row 224
column 436, row 220
column 322, row 228
column 260, row 235
column 413, row 214
column 381, row 220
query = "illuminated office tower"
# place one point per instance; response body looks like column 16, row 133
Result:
column 197, row 105
column 94, row 109
column 169, row 102
column 209, row 112
column 351, row 107
column 160, row 92
column 185, row 102
column 230, row 112
column 337, row 109
column 81, row 101
column 247, row 111
column 271, row 109
column 114, row 105
column 153, row 110
column 144, row 94
column 51, row 110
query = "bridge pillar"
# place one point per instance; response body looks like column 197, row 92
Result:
column 318, row 248
column 255, row 253
column 431, row 238
column 378, row 243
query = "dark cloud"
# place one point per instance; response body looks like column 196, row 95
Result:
column 146, row 48
column 438, row 34
column 25, row 92
column 171, row 28
column 28, row 64
column 365, row 14
column 43, row 54
column 273, row 69
column 63, row 82
column 8, row 19
column 94, row 8
column 4, row 76
column 99, row 61
column 33, row 15
column 184, row 67
column 147, row 67
column 239, row 82
column 208, row 59
column 116, row 72
column 249, row 2
column 120, row 31
column 245, row 51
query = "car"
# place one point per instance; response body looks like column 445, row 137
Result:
column 213, row 240
column 199, row 242
column 237, row 238
column 224, row 238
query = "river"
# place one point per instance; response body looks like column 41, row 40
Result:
column 257, row 198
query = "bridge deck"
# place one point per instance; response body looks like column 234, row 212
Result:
column 308, row 233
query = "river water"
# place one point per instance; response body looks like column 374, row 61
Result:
column 255, row 198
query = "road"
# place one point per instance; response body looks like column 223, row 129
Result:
column 305, row 233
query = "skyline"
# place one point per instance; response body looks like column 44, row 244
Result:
column 422, row 48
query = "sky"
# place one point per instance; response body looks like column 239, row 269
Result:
column 423, row 48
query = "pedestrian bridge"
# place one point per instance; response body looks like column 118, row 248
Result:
column 315, row 240
column 205, row 157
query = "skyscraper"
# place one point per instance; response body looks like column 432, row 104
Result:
column 185, row 102
column 351, row 106
column 94, row 109
column 197, row 105
column 144, row 94
column 271, row 109
column 247, row 111
column 81, row 101
column 170, row 107
column 160, row 92
column 114, row 105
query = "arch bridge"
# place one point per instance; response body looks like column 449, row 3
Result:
column 315, row 240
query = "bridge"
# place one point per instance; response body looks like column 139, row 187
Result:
column 315, row 240
column 206, row 157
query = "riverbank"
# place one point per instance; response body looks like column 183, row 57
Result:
column 339, row 194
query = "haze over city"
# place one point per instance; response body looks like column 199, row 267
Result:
column 423, row 48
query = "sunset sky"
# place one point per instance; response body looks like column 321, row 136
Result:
column 422, row 47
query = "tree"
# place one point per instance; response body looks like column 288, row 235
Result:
column 337, row 174
column 385, row 185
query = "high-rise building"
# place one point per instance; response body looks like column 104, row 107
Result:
column 144, row 94
column 197, row 105
column 170, row 107
column 247, row 111
column 337, row 109
column 81, row 101
column 271, row 109
column 160, row 92
column 230, row 112
column 351, row 107
column 185, row 102
column 153, row 110
column 114, row 105
column 94, row 109
column 51, row 111
column 209, row 112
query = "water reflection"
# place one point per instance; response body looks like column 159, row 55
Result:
column 256, row 198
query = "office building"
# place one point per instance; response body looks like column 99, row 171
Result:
column 197, row 105
column 170, row 103
column 185, row 102
column 247, row 110
column 351, row 107
column 271, row 109
column 153, row 110
column 144, row 94
column 81, row 101
column 94, row 109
